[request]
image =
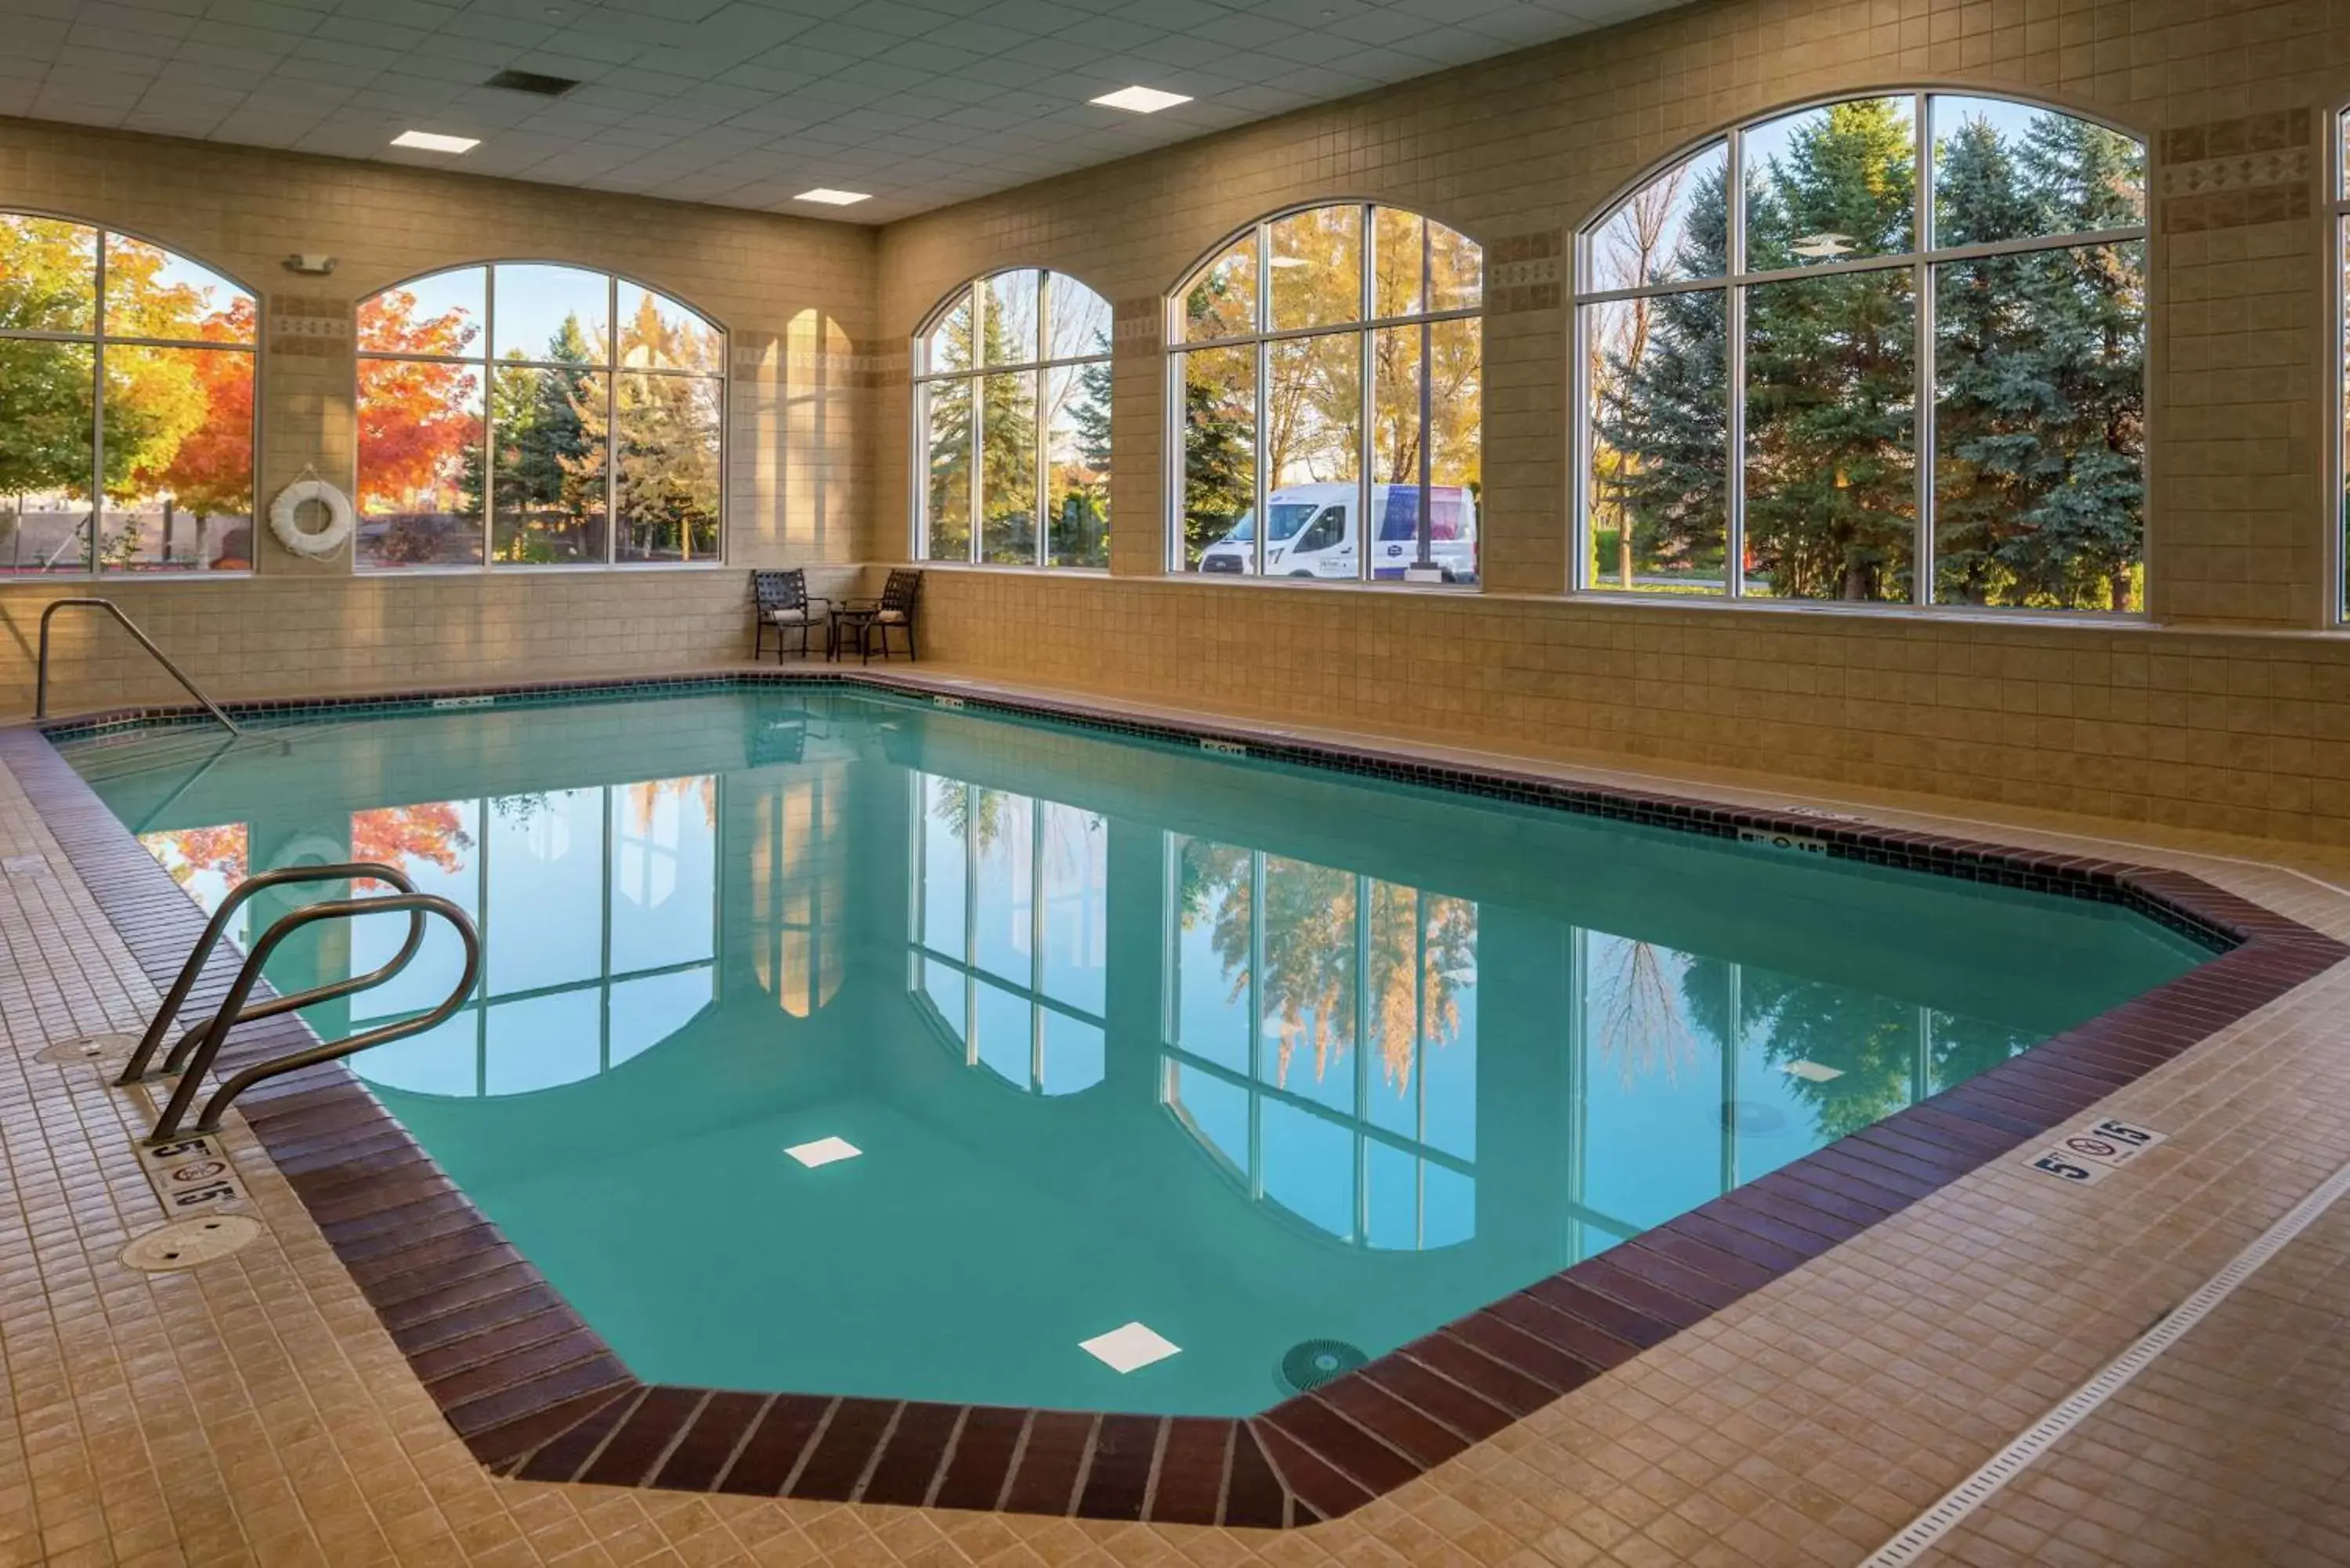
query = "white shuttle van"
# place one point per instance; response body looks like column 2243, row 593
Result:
column 1313, row 534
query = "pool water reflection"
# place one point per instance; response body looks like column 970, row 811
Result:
column 1247, row 1054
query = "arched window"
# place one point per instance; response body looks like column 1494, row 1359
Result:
column 1331, row 371
column 1013, row 383
column 126, row 399
column 1773, row 329
column 528, row 414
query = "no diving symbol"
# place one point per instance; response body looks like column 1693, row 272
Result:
column 2083, row 1156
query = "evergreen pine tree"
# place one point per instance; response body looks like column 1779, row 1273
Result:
column 1670, row 413
column 2039, row 356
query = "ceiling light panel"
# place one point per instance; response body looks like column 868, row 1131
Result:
column 433, row 141
column 1141, row 100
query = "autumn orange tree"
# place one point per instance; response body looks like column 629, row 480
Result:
column 416, row 416
column 431, row 833
column 188, row 852
column 210, row 473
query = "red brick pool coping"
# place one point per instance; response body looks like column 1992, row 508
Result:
column 535, row 1393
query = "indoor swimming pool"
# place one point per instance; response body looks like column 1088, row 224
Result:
column 841, row 1042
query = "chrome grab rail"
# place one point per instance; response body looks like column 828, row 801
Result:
column 217, row 927
column 41, row 675
column 232, row 1011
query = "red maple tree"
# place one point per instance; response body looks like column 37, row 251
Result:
column 413, row 414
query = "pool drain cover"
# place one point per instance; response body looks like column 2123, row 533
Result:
column 95, row 1048
column 1746, row 1116
column 185, row 1243
column 1311, row 1362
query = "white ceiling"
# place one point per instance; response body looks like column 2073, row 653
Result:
column 742, row 102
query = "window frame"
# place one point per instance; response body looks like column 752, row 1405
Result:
column 1365, row 327
column 98, row 337
column 972, row 290
column 1174, row 1058
column 611, row 370
column 481, row 1000
column 960, row 1037
column 1921, row 262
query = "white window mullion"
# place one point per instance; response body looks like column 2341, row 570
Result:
column 1733, row 322
column 1921, row 349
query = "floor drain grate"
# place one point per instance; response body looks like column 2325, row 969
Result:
column 1310, row 1364
column 189, row 1243
column 95, row 1048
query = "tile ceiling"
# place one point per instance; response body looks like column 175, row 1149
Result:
column 741, row 102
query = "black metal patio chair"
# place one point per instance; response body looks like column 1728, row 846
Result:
column 780, row 599
column 894, row 610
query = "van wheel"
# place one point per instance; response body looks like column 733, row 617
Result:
column 1301, row 574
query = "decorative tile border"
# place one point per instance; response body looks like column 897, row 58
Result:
column 536, row 1394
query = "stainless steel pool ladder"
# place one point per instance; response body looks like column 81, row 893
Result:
column 191, row 1057
column 41, row 674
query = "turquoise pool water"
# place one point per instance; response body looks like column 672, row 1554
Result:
column 1121, row 1033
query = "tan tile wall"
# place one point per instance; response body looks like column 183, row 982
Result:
column 796, row 295
column 2240, row 733
column 2172, row 723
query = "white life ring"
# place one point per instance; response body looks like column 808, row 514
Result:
column 285, row 518
column 310, row 850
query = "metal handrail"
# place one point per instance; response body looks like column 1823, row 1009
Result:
column 217, row 927
column 41, row 675
column 232, row 1011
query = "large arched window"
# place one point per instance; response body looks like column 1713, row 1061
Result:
column 126, row 405
column 1773, row 329
column 1331, row 371
column 528, row 414
column 1013, row 383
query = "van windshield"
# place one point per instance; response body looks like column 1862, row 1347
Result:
column 1288, row 517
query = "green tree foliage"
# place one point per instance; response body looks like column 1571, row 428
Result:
column 1080, row 489
column 1884, row 1053
column 546, row 493
column 1663, row 480
column 1830, row 364
column 1219, row 445
column 667, row 455
column 1007, row 406
column 2040, row 479
column 155, row 399
column 2039, row 484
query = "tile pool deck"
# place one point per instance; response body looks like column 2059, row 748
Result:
column 257, row 1409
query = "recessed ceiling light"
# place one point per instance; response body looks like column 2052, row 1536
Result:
column 1128, row 1348
column 1141, row 99
column 433, row 141
column 823, row 1151
column 832, row 198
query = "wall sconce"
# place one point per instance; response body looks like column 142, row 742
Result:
column 310, row 265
